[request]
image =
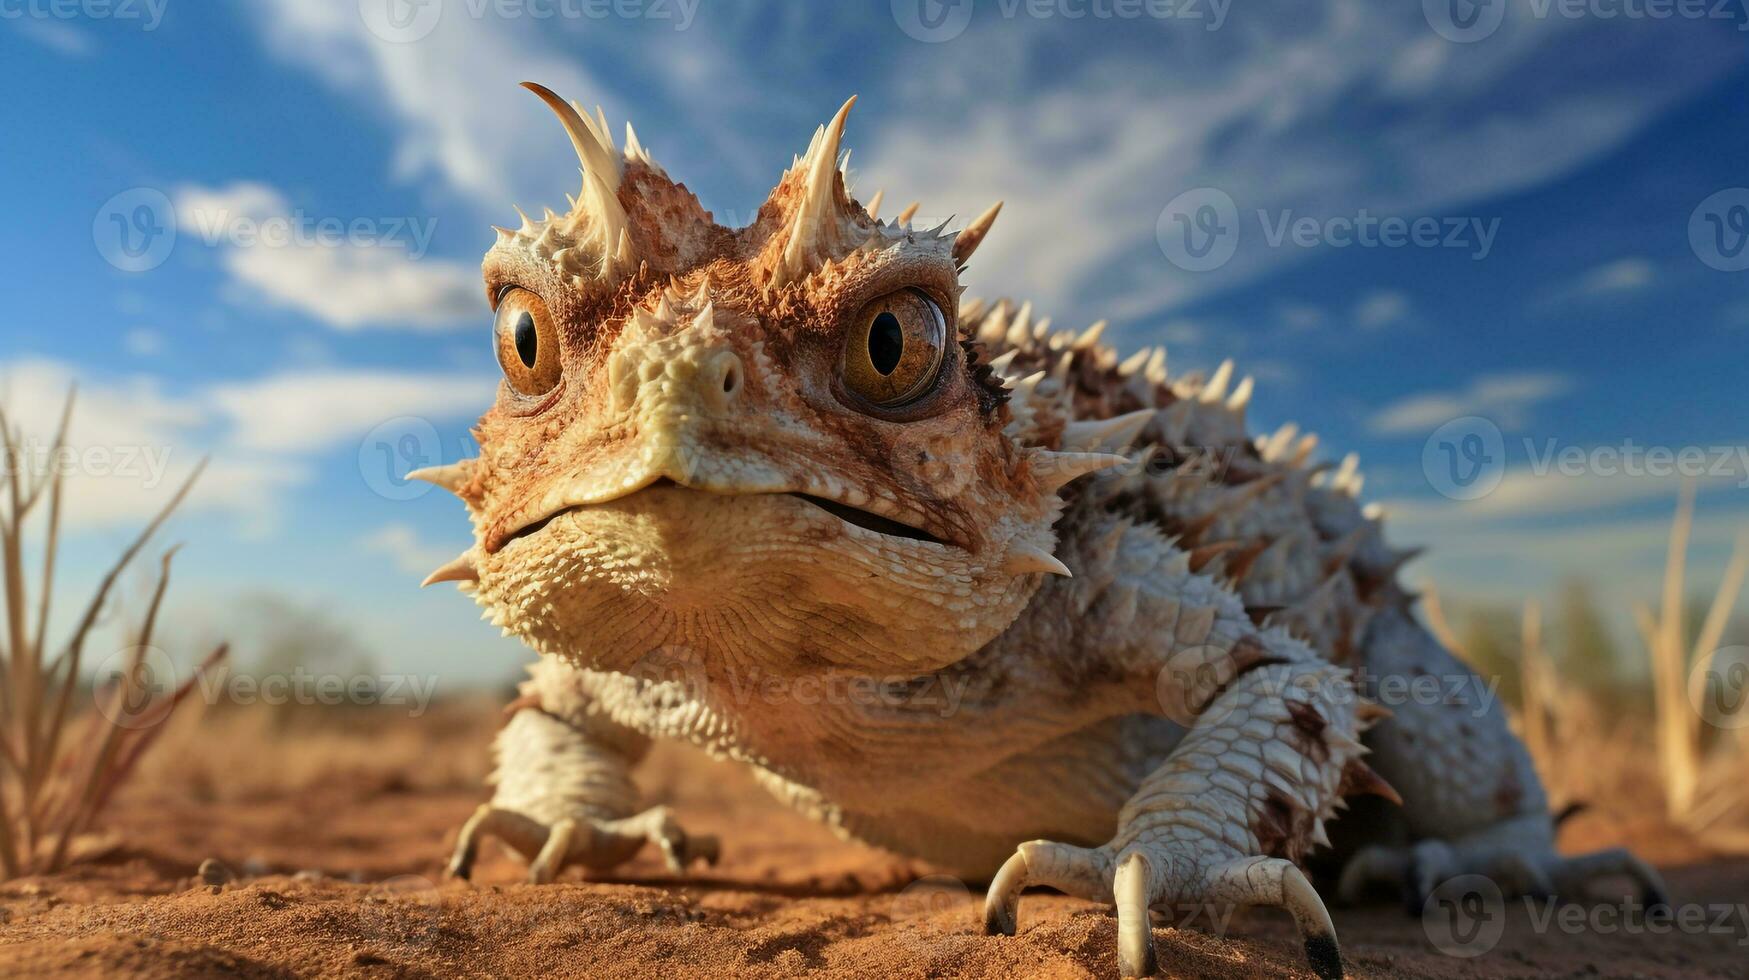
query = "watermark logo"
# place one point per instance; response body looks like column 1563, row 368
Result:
column 1718, row 687
column 403, row 912
column 922, row 908
column 129, row 685
column 1199, row 229
column 392, row 450
column 401, row 21
column 135, row 231
column 1468, row 21
column 1718, row 230
column 932, row 21
column 1465, row 459
column 1464, row 21
column 1465, row 916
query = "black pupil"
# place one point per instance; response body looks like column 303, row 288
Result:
column 886, row 343
column 527, row 339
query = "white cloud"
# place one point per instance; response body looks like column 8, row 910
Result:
column 452, row 94
column 1608, row 281
column 1623, row 558
column 1381, row 309
column 143, row 342
column 1623, row 275
column 304, row 411
column 134, row 443
column 1502, row 398
column 1300, row 317
column 403, row 546
column 1353, row 107
column 349, row 274
column 1526, row 493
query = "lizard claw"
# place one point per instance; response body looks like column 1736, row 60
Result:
column 1149, row 874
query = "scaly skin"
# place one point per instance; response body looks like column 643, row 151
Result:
column 1048, row 617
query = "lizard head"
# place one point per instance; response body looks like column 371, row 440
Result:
column 768, row 444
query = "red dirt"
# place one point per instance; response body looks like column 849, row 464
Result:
column 787, row 899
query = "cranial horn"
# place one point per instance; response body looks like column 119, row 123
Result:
column 594, row 146
column 597, row 220
column 817, row 228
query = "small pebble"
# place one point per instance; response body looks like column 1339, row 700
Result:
column 213, row 872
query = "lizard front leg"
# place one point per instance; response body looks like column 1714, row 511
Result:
column 564, row 792
column 1274, row 744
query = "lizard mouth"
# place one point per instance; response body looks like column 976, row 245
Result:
column 867, row 520
column 848, row 513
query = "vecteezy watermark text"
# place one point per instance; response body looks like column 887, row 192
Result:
column 303, row 686
column 299, row 229
column 1466, row 458
column 144, row 464
column 1466, row 917
column 149, row 12
column 1201, row 229
column 935, row 21
column 406, row 21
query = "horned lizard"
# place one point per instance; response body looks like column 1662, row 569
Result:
column 774, row 489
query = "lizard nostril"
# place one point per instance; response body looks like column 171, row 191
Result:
column 723, row 378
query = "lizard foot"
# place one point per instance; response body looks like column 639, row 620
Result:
column 1517, row 856
column 592, row 842
column 1145, row 875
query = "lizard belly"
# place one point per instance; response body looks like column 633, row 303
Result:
column 1069, row 789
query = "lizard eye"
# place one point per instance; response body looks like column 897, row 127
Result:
column 528, row 343
column 894, row 349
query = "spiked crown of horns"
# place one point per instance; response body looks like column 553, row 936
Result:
column 595, row 241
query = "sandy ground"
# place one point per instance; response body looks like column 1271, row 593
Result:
column 339, row 860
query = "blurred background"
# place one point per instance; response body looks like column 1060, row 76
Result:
column 251, row 231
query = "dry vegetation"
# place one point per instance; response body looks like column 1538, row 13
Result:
column 1603, row 741
column 59, row 766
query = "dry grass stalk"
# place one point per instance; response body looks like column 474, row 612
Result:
column 1700, row 793
column 52, row 789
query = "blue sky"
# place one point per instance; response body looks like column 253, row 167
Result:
column 1565, row 158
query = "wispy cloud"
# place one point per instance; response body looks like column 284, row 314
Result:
column 403, row 546
column 1325, row 113
column 57, row 35
column 304, row 411
column 350, row 274
column 1608, row 281
column 1502, row 398
column 133, row 442
column 449, row 95
column 143, row 342
column 1380, row 309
